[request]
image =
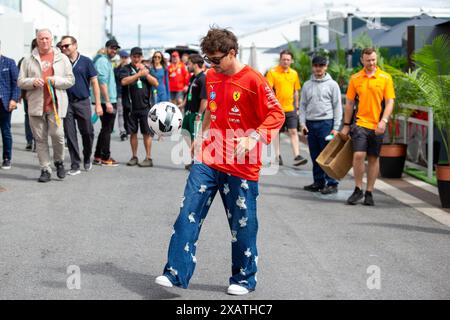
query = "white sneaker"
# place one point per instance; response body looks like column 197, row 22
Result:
column 164, row 282
column 236, row 290
column 74, row 172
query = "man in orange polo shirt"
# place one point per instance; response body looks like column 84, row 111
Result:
column 372, row 86
column 286, row 84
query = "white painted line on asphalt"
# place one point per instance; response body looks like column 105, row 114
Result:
column 422, row 184
column 435, row 213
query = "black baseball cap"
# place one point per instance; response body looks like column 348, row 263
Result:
column 320, row 60
column 136, row 50
column 112, row 44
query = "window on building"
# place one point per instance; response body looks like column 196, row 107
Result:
column 12, row 4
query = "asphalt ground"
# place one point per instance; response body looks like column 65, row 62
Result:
column 114, row 224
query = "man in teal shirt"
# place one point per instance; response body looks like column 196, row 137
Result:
column 107, row 81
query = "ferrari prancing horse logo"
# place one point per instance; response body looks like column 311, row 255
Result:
column 236, row 96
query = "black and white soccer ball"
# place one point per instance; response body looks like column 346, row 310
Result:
column 165, row 119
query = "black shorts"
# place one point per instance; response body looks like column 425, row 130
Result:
column 365, row 140
column 139, row 119
column 291, row 121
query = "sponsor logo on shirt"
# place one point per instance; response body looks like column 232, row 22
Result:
column 213, row 106
column 213, row 95
column 236, row 96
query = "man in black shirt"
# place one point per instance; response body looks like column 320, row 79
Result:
column 196, row 99
column 136, row 96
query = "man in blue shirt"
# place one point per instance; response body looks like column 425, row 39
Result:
column 108, row 90
column 9, row 96
column 79, row 109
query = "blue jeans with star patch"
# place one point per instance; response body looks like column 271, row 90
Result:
column 239, row 200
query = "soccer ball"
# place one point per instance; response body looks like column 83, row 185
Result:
column 165, row 119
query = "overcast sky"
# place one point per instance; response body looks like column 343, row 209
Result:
column 168, row 23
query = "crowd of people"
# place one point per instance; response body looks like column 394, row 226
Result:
column 58, row 85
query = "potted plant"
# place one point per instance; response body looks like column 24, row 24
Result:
column 393, row 153
column 434, row 83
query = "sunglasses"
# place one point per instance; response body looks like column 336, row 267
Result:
column 214, row 60
column 157, row 57
column 66, row 46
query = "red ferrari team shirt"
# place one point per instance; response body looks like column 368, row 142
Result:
column 178, row 77
column 239, row 104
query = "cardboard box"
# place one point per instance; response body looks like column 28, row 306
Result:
column 337, row 157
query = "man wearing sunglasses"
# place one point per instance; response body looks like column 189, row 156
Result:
column 79, row 109
column 242, row 112
column 320, row 117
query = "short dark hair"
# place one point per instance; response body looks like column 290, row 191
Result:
column 74, row 41
column 196, row 59
column 282, row 53
column 218, row 39
column 368, row 51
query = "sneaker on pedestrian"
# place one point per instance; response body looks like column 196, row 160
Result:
column 280, row 161
column 164, row 282
column 74, row 172
column 97, row 161
column 29, row 146
column 236, row 290
column 60, row 171
column 45, row 176
column 329, row 190
column 88, row 166
column 299, row 161
column 313, row 187
column 123, row 136
column 147, row 163
column 188, row 167
column 133, row 162
column 368, row 199
column 356, row 196
column 110, row 163
column 6, row 165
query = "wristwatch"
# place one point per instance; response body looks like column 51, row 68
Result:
column 385, row 120
column 255, row 135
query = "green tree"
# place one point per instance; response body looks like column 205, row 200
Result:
column 433, row 80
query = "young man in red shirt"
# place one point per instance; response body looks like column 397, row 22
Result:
column 178, row 79
column 242, row 113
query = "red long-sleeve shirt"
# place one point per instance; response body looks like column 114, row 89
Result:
column 239, row 104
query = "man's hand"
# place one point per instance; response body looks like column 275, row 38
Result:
column 109, row 108
column 245, row 145
column 304, row 130
column 381, row 129
column 12, row 106
column 334, row 132
column 99, row 110
column 144, row 72
column 38, row 83
column 345, row 131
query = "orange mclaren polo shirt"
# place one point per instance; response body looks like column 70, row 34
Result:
column 284, row 83
column 371, row 92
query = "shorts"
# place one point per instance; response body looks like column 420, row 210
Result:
column 291, row 121
column 176, row 95
column 365, row 140
column 139, row 119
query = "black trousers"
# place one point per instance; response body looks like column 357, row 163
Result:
column 79, row 113
column 103, row 149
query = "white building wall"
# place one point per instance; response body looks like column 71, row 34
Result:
column 87, row 24
column 41, row 16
